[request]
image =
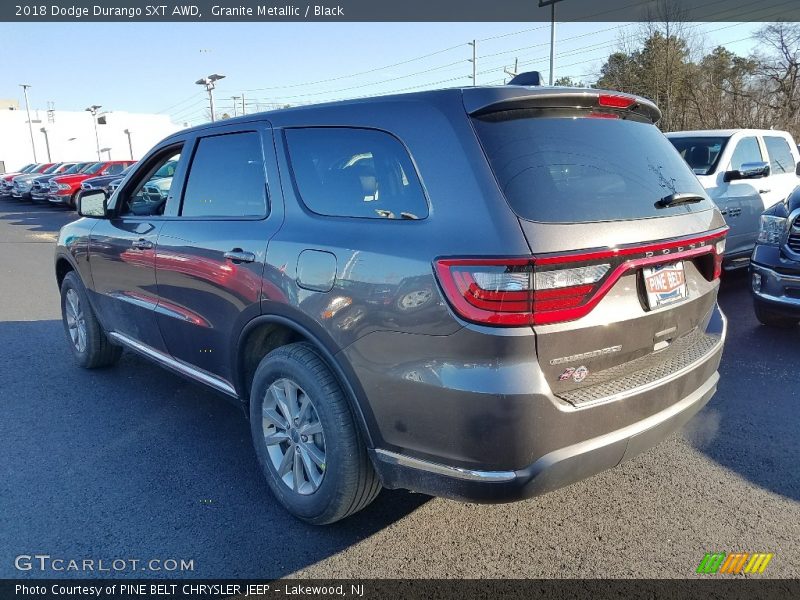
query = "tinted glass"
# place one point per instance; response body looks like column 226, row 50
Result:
column 51, row 169
column 747, row 151
column 226, row 178
column 347, row 172
column 96, row 167
column 780, row 156
column 114, row 169
column 700, row 153
column 566, row 170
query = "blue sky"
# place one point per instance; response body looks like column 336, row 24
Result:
column 144, row 67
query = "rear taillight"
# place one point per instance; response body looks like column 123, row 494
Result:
column 554, row 288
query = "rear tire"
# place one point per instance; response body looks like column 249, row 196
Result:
column 306, row 439
column 771, row 318
column 89, row 343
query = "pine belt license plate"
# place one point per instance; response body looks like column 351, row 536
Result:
column 665, row 284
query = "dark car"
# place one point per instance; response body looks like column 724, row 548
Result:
column 40, row 186
column 103, row 181
column 775, row 267
column 483, row 293
column 21, row 184
column 6, row 178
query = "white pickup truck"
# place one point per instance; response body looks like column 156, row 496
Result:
column 744, row 171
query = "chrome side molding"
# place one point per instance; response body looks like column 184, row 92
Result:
column 181, row 367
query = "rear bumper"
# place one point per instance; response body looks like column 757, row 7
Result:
column 552, row 471
column 488, row 440
column 779, row 291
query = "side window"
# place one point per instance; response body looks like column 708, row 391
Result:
column 780, row 156
column 149, row 196
column 226, row 178
column 347, row 172
column 747, row 151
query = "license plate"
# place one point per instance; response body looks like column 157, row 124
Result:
column 665, row 284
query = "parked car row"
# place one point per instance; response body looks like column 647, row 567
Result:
column 60, row 183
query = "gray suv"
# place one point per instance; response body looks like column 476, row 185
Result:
column 482, row 293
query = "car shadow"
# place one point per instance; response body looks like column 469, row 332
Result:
column 133, row 461
column 36, row 217
column 750, row 426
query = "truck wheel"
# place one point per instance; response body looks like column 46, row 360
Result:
column 89, row 344
column 773, row 319
column 306, row 439
column 73, row 200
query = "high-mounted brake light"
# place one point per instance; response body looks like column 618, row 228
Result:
column 556, row 288
column 615, row 101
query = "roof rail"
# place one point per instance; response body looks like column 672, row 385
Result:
column 527, row 78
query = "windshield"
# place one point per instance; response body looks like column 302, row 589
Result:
column 86, row 166
column 64, row 169
column 559, row 166
column 700, row 153
column 76, row 168
column 28, row 168
column 51, row 169
column 167, row 170
column 94, row 168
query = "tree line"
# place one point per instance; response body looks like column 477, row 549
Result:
column 710, row 89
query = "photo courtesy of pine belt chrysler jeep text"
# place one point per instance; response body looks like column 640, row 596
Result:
column 483, row 293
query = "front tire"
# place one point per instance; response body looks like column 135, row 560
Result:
column 306, row 439
column 89, row 343
column 771, row 318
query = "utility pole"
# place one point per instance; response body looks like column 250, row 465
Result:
column 93, row 109
column 244, row 111
column 209, row 83
column 515, row 72
column 474, row 61
column 25, row 87
column 552, row 5
column 46, row 143
column 235, row 105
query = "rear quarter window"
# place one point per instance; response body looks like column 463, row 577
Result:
column 560, row 167
column 349, row 172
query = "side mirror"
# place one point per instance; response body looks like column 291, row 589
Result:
column 751, row 170
column 92, row 204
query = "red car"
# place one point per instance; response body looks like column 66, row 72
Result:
column 65, row 188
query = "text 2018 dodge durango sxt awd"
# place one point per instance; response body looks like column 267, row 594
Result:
column 481, row 293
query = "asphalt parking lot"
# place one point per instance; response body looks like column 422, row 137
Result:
column 134, row 462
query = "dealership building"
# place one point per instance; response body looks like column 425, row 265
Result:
column 60, row 135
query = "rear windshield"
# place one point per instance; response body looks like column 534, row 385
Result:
column 559, row 166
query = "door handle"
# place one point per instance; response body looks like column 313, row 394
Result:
column 238, row 255
column 764, row 191
column 142, row 244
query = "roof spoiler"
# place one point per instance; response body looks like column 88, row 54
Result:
column 527, row 78
column 489, row 100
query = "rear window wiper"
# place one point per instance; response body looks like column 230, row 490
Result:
column 679, row 198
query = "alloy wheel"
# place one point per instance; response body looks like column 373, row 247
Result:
column 76, row 322
column 294, row 436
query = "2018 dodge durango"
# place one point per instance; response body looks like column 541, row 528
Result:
column 482, row 293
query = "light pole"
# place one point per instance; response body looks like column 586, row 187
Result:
column 93, row 109
column 25, row 87
column 130, row 143
column 209, row 83
column 107, row 151
column 552, row 5
column 46, row 143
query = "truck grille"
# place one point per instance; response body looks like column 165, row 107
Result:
column 646, row 370
column 793, row 242
column 53, row 188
